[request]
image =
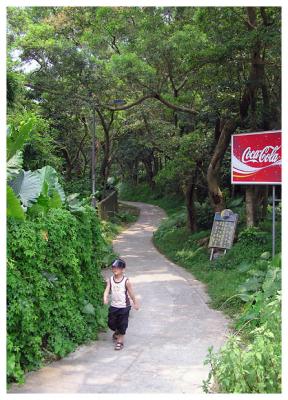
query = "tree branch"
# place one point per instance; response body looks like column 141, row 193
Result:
column 91, row 101
column 174, row 106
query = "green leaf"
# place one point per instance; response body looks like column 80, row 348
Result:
column 17, row 138
column 74, row 203
column 49, row 177
column 14, row 208
column 245, row 297
column 276, row 262
column 265, row 256
column 14, row 165
column 55, row 200
column 244, row 266
column 27, row 186
column 235, row 202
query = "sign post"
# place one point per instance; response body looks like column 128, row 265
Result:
column 273, row 221
column 223, row 231
column 256, row 159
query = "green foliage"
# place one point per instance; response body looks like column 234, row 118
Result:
column 264, row 282
column 14, row 208
column 41, row 148
column 253, row 367
column 17, row 136
column 14, row 165
column 40, row 186
column 12, row 87
column 15, row 141
column 252, row 364
column 253, row 233
column 53, row 284
column 74, row 203
column 205, row 214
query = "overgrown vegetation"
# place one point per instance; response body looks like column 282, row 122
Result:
column 54, row 287
column 54, row 284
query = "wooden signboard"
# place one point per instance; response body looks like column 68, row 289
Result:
column 223, row 230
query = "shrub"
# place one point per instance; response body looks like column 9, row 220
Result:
column 204, row 214
column 252, row 364
column 254, row 367
column 53, row 272
column 255, row 234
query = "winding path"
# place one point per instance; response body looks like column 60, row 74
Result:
column 167, row 339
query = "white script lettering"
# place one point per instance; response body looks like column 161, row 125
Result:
column 268, row 154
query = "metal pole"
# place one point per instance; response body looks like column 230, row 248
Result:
column 93, row 160
column 211, row 255
column 273, row 221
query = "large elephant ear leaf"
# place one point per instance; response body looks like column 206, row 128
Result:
column 14, row 164
column 27, row 186
column 17, row 137
column 49, row 176
column 14, row 208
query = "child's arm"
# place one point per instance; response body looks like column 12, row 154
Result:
column 106, row 293
column 132, row 295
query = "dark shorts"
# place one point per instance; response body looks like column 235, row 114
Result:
column 118, row 319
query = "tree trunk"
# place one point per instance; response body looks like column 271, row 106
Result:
column 190, row 204
column 134, row 173
column 85, row 163
column 69, row 165
column 249, row 100
column 261, row 201
column 265, row 202
column 149, row 172
column 156, row 165
column 215, row 194
column 104, row 169
column 250, row 206
column 175, row 112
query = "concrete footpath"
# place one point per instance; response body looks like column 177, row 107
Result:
column 167, row 339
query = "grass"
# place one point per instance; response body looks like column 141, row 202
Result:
column 223, row 275
column 145, row 194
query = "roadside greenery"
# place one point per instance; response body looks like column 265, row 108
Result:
column 55, row 252
column 54, row 287
column 251, row 363
column 246, row 285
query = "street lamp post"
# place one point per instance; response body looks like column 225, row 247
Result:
column 93, row 152
column 93, row 159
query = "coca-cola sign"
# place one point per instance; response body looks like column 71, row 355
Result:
column 256, row 158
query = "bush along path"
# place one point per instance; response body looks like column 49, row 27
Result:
column 167, row 340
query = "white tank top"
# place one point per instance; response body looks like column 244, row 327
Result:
column 119, row 293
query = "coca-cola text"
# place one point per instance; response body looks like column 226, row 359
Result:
column 267, row 154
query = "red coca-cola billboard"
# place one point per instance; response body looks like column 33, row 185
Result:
column 256, row 158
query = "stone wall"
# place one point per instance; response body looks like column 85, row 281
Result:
column 108, row 206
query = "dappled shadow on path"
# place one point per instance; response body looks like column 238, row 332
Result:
column 167, row 339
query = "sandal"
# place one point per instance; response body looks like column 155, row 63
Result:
column 119, row 346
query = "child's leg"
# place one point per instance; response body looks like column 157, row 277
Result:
column 112, row 319
column 122, row 323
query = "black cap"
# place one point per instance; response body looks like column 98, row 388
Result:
column 119, row 263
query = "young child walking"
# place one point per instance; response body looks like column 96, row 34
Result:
column 119, row 286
